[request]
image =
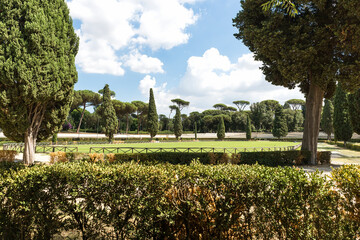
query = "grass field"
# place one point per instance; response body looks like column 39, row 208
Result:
column 200, row 144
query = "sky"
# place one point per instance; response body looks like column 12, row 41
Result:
column 180, row 48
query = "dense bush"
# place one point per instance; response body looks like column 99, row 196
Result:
column 132, row 201
column 352, row 146
column 7, row 155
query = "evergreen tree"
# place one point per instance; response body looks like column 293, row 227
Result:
column 248, row 127
column 342, row 126
column 280, row 128
column 354, row 109
column 195, row 130
column 152, row 121
column 108, row 114
column 221, row 129
column 327, row 118
column 37, row 70
column 178, row 128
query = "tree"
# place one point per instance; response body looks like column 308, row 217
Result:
column 221, row 129
column 288, row 5
column 37, row 70
column 141, row 111
column 230, row 109
column 248, row 127
column 257, row 114
column 280, row 128
column 178, row 128
column 354, row 109
column 152, row 121
column 342, row 125
column 112, row 93
column 327, row 118
column 220, row 106
column 129, row 108
column 292, row 48
column 241, row 104
column 295, row 104
column 86, row 98
column 108, row 115
column 180, row 103
column 195, row 130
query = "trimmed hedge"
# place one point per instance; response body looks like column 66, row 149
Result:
column 352, row 146
column 132, row 201
column 7, row 155
column 278, row 158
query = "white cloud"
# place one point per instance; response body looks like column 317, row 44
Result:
column 212, row 78
column 143, row 63
column 116, row 27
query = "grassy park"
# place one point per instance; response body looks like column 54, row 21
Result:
column 200, row 144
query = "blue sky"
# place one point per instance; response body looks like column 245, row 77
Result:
column 181, row 48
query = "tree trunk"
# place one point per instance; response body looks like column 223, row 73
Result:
column 29, row 148
column 312, row 120
column 81, row 118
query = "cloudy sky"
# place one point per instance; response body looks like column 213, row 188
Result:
column 180, row 48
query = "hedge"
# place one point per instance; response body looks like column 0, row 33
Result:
column 274, row 158
column 352, row 146
column 7, row 155
column 132, row 201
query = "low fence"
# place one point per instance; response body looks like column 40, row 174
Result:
column 40, row 148
column 188, row 150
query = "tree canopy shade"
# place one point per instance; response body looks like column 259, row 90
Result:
column 84, row 99
column 152, row 121
column 108, row 115
column 180, row 103
column 37, row 69
column 342, row 125
column 295, row 104
column 327, row 118
column 241, row 104
column 291, row 49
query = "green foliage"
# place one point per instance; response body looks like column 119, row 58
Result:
column 248, row 127
column 180, row 103
column 178, row 128
column 37, row 67
column 241, row 104
column 342, row 125
column 284, row 4
column 354, row 110
column 280, row 127
column 221, row 129
column 54, row 138
column 152, row 121
column 134, row 201
column 195, row 130
column 327, row 118
column 295, row 104
column 108, row 115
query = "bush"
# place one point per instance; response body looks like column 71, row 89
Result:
column 132, row 201
column 58, row 157
column 7, row 155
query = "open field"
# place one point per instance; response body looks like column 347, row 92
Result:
column 200, row 144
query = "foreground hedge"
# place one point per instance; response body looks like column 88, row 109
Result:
column 273, row 158
column 131, row 201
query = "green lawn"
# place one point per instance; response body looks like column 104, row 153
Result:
column 200, row 144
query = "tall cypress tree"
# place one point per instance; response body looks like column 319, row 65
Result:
column 221, row 129
column 178, row 128
column 248, row 127
column 327, row 118
column 195, row 130
column 152, row 121
column 37, row 69
column 354, row 109
column 280, row 128
column 109, row 119
column 342, row 126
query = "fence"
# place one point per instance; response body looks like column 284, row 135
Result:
column 19, row 147
column 188, row 150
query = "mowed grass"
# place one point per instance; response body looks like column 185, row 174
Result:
column 200, row 144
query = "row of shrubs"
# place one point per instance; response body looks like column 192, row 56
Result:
column 134, row 201
column 274, row 158
column 348, row 145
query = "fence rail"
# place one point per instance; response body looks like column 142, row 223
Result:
column 188, row 150
column 40, row 148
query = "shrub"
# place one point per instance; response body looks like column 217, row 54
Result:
column 133, row 201
column 96, row 157
column 58, row 157
column 7, row 155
